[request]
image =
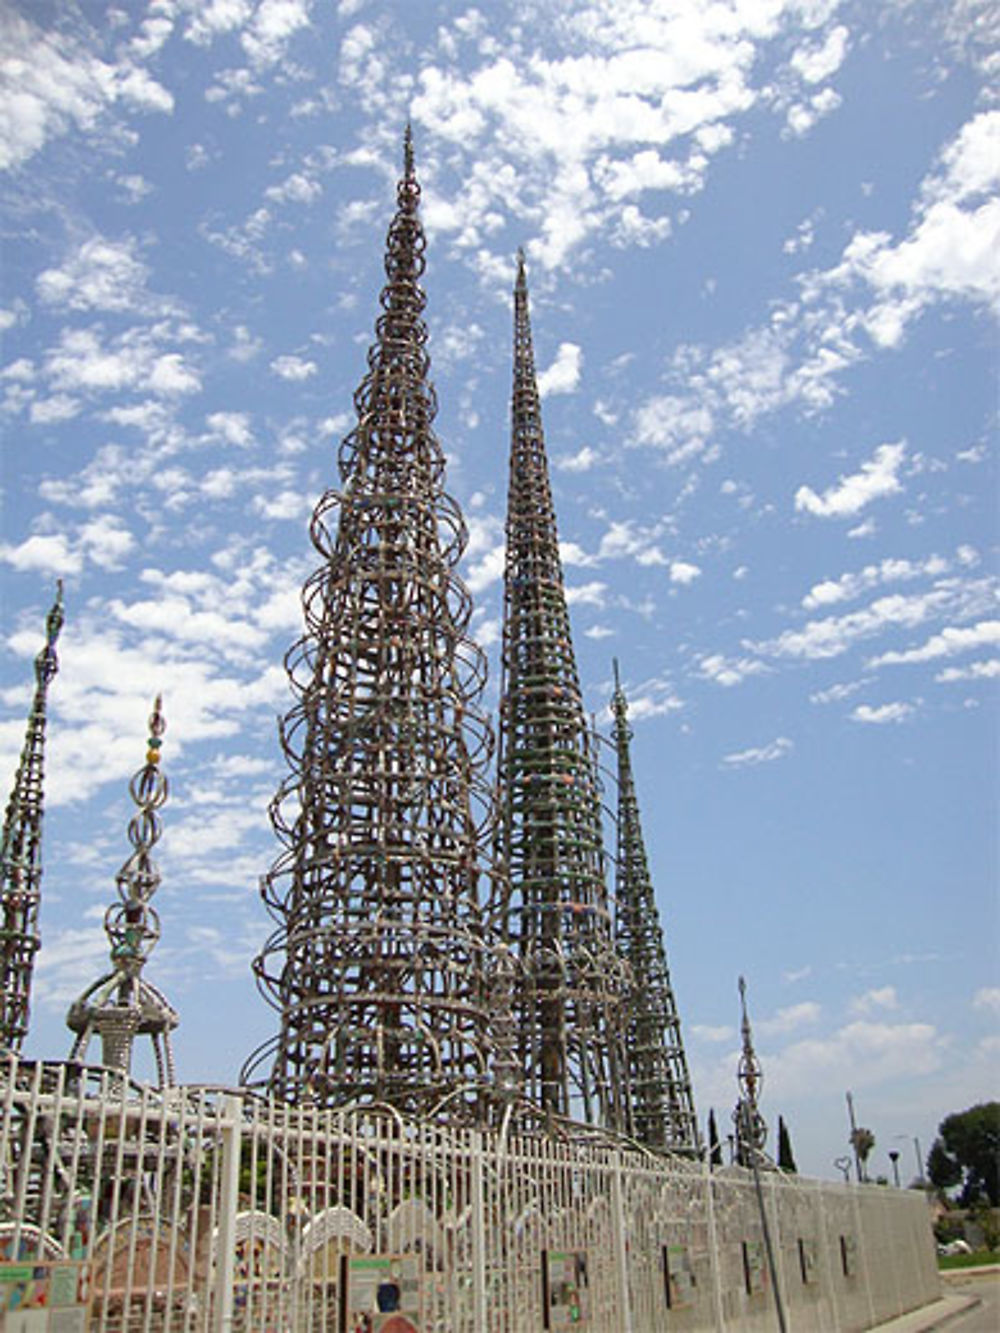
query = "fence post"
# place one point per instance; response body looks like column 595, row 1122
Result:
column 713, row 1241
column 478, row 1233
column 621, row 1247
column 231, row 1120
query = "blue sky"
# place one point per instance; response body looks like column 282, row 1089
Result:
column 762, row 240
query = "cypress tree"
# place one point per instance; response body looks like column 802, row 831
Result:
column 714, row 1146
column 786, row 1160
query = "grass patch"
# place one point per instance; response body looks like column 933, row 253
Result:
column 974, row 1260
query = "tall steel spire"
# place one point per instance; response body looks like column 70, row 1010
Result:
column 380, row 965
column 572, row 981
column 661, row 1101
column 751, row 1129
column 21, row 851
column 122, row 1004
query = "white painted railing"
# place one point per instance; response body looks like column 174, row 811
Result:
column 203, row 1210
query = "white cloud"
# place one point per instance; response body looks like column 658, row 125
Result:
column 877, row 478
column 100, row 274
column 884, row 997
column 582, row 461
column 231, row 428
column 951, row 641
column 43, row 553
column 952, row 249
column 988, row 670
column 729, row 671
column 816, row 63
column 50, row 81
column 81, row 363
column 862, row 1054
column 297, row 188
column 682, row 572
column 295, row 368
column 274, row 24
column 788, row 1019
column 283, row 505
column 849, row 586
column 987, row 997
column 883, row 713
column 764, row 754
column 106, row 541
column 674, row 424
column 836, row 634
column 487, row 569
column 704, row 1032
column 563, row 376
column 587, row 594
column 49, row 411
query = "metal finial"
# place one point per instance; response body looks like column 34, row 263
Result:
column 409, row 170
column 122, row 1004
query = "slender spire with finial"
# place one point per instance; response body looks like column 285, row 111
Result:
column 381, row 962
column 751, row 1129
column 122, row 1004
column 21, row 851
column 661, row 1100
column 572, row 980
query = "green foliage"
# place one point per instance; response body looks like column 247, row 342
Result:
column 974, row 1260
column 947, row 1228
column 862, row 1141
column 967, row 1152
column 786, row 1159
column 942, row 1170
column 988, row 1221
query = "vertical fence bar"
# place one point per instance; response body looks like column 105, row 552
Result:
column 231, row 1118
column 478, row 1224
column 621, row 1248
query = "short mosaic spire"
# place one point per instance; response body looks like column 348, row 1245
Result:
column 661, row 1102
column 380, row 964
column 21, row 851
column 751, row 1128
column 122, row 1004
column 572, row 981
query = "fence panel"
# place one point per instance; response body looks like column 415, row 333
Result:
column 199, row 1210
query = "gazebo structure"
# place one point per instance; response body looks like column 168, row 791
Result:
column 123, row 1004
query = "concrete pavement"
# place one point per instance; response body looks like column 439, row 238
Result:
column 952, row 1306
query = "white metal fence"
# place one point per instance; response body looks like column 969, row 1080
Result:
column 199, row 1210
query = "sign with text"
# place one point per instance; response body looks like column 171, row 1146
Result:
column 383, row 1293
column 565, row 1288
column 50, row 1296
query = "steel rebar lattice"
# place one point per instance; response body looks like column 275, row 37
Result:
column 380, row 964
column 122, row 1004
column 21, row 851
column 661, row 1107
column 572, row 981
column 751, row 1128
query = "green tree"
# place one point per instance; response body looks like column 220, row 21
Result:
column 863, row 1141
column 943, row 1171
column 714, row 1146
column 967, row 1152
column 786, row 1159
